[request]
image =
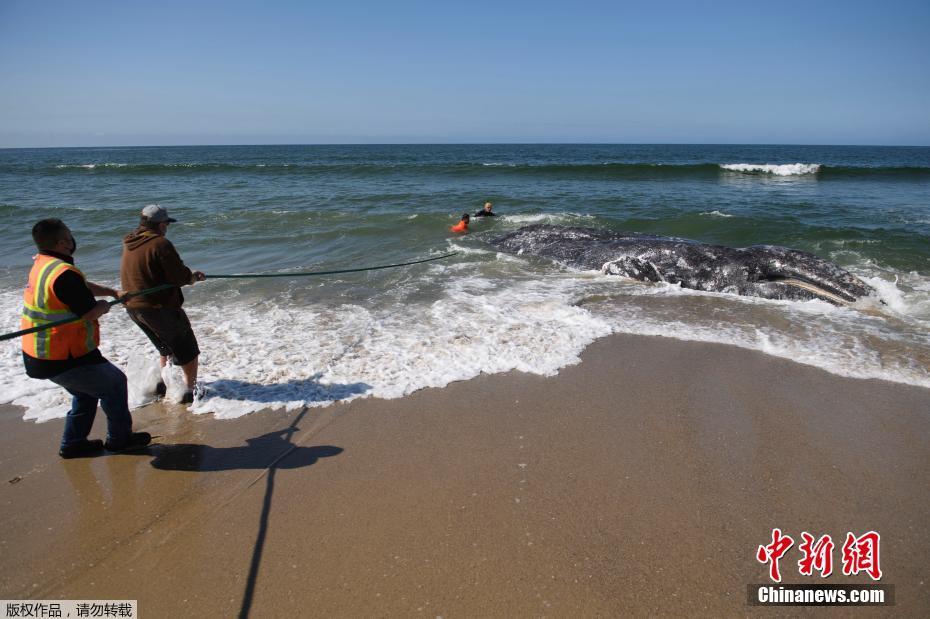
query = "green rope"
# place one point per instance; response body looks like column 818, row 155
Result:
column 65, row 321
column 129, row 295
column 309, row 273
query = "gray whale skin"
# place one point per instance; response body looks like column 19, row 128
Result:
column 761, row 270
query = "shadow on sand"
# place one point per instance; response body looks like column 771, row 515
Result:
column 298, row 390
column 269, row 452
column 258, row 453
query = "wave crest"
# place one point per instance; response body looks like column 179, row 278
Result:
column 784, row 169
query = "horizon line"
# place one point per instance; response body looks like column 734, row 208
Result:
column 264, row 144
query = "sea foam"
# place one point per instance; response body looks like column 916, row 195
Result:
column 785, row 169
column 281, row 353
column 274, row 354
column 90, row 166
column 550, row 218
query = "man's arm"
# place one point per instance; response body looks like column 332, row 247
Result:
column 100, row 308
column 173, row 268
column 74, row 292
column 102, row 291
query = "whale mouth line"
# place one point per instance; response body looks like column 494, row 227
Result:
column 813, row 289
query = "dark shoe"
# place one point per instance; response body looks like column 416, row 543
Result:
column 161, row 389
column 82, row 449
column 188, row 397
column 135, row 441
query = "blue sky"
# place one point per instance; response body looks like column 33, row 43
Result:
column 150, row 73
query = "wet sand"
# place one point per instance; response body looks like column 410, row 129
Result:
column 640, row 482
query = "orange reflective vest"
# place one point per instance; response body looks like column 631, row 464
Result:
column 41, row 306
column 459, row 227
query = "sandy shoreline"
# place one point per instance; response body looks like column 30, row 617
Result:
column 639, row 481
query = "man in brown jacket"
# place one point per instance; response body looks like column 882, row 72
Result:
column 149, row 260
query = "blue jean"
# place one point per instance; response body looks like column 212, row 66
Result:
column 88, row 384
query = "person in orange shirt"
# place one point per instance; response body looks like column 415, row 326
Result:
column 462, row 226
column 68, row 355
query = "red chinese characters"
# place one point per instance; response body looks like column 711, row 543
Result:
column 773, row 552
column 817, row 556
column 861, row 554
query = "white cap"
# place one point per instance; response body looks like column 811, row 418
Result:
column 156, row 214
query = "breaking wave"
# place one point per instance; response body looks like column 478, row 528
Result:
column 785, row 169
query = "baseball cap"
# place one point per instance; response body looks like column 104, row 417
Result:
column 157, row 214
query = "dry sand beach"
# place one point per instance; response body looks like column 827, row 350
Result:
column 640, row 481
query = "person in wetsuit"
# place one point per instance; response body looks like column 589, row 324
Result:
column 485, row 212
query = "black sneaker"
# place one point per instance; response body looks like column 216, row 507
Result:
column 135, row 441
column 161, row 389
column 83, row 449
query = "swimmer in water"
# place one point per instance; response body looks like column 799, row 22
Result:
column 486, row 211
column 462, row 226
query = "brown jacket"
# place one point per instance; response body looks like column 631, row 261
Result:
column 151, row 260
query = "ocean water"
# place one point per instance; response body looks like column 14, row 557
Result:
column 291, row 342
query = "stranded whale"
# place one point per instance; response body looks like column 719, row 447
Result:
column 761, row 270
